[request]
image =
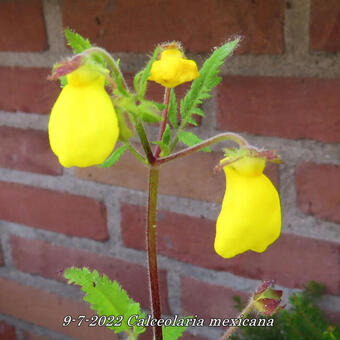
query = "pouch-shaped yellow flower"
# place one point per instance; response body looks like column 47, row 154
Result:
column 250, row 218
column 83, row 127
column 173, row 69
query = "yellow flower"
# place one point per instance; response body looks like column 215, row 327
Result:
column 83, row 127
column 250, row 218
column 173, row 69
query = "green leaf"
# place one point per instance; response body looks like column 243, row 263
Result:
column 172, row 111
column 114, row 157
column 146, row 73
column 173, row 332
column 105, row 296
column 190, row 139
column 207, row 80
column 166, row 135
column 63, row 81
column 76, row 41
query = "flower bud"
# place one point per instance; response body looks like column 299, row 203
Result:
column 250, row 218
column 266, row 300
column 83, row 127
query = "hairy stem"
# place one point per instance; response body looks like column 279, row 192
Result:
column 242, row 315
column 112, row 63
column 152, row 249
column 165, row 118
column 216, row 139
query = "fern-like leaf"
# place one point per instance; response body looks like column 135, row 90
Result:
column 76, row 41
column 207, row 80
column 105, row 297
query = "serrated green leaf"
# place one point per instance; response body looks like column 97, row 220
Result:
column 207, row 80
column 166, row 135
column 105, row 296
column 76, row 41
column 173, row 332
column 198, row 111
column 172, row 110
column 114, row 157
column 146, row 73
column 190, row 139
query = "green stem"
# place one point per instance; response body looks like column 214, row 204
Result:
column 152, row 249
column 247, row 309
column 216, row 139
column 165, row 118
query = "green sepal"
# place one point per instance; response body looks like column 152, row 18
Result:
column 106, row 297
column 190, row 139
column 114, row 157
column 63, row 81
column 125, row 133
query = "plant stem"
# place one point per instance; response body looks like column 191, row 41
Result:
column 216, row 139
column 242, row 315
column 144, row 140
column 165, row 118
column 152, row 249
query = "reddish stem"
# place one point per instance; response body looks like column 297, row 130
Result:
column 165, row 118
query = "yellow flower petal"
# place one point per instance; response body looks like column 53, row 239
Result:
column 250, row 218
column 83, row 127
column 173, row 69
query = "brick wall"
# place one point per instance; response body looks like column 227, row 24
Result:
column 280, row 90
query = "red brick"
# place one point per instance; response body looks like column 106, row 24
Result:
column 27, row 90
column 31, row 336
column 318, row 190
column 55, row 211
column 208, row 300
column 325, row 25
column 285, row 107
column 131, row 173
column 124, row 26
column 42, row 258
column 332, row 317
column 7, row 332
column 27, row 150
column 22, row 27
column 292, row 260
column 48, row 310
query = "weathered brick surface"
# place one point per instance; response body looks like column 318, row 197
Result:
column 318, row 190
column 197, row 179
column 48, row 310
column 43, row 258
column 27, row 150
column 22, row 27
column 208, row 300
column 55, row 211
column 292, row 260
column 32, row 336
column 138, row 27
column 7, row 332
column 325, row 25
column 285, row 107
column 27, row 90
